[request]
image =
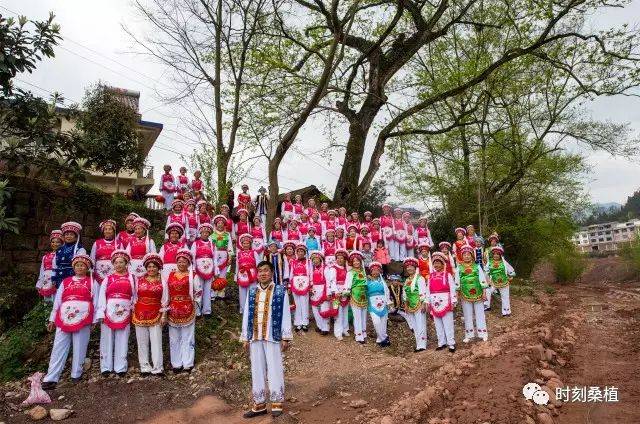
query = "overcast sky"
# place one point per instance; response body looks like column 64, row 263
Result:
column 94, row 48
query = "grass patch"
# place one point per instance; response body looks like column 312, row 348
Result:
column 521, row 287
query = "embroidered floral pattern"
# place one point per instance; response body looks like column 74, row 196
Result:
column 259, row 396
column 277, row 395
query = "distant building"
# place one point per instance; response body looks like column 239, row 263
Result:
column 140, row 180
column 608, row 236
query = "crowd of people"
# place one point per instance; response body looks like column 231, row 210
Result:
column 314, row 261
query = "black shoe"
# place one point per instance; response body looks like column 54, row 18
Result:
column 49, row 385
column 298, row 329
column 506, row 315
column 76, row 380
column 324, row 333
column 121, row 374
column 188, row 370
column 487, row 309
column 105, row 374
column 419, row 350
column 385, row 343
column 305, row 328
column 145, row 374
column 452, row 349
column 441, row 347
column 177, row 370
column 276, row 413
column 159, row 375
column 361, row 342
column 251, row 413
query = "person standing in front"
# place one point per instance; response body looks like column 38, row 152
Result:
column 471, row 283
column 182, row 314
column 266, row 333
column 72, row 318
column 415, row 303
column 150, row 315
column 115, row 303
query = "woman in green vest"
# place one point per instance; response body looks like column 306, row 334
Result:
column 472, row 283
column 501, row 274
column 222, row 255
column 414, row 300
column 357, row 281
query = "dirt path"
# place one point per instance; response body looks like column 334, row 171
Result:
column 584, row 334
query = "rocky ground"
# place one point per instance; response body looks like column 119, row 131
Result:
column 583, row 334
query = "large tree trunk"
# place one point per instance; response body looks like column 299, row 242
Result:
column 222, row 189
column 222, row 161
column 347, row 186
column 348, row 191
column 274, row 191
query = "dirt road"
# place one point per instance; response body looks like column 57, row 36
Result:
column 584, row 334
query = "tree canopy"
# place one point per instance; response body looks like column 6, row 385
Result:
column 109, row 131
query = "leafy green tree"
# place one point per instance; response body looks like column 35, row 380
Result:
column 373, row 199
column 31, row 142
column 23, row 47
column 206, row 46
column 7, row 224
column 506, row 166
column 396, row 63
column 109, row 129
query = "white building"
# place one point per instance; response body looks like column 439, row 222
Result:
column 606, row 236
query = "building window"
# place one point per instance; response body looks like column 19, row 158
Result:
column 608, row 238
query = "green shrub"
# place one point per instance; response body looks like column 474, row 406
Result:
column 631, row 253
column 17, row 297
column 568, row 265
column 18, row 345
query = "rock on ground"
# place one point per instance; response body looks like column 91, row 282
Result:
column 37, row 413
column 60, row 414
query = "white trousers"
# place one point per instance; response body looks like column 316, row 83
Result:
column 182, row 346
column 301, row 315
column 444, row 329
column 341, row 324
column 471, row 309
column 205, row 306
column 407, row 317
column 359, row 322
column 394, row 250
column 168, row 199
column 402, row 251
column 322, row 323
column 418, row 323
column 114, row 346
column 61, row 345
column 266, row 371
column 504, row 298
column 380, row 324
column 149, row 337
column 243, row 292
